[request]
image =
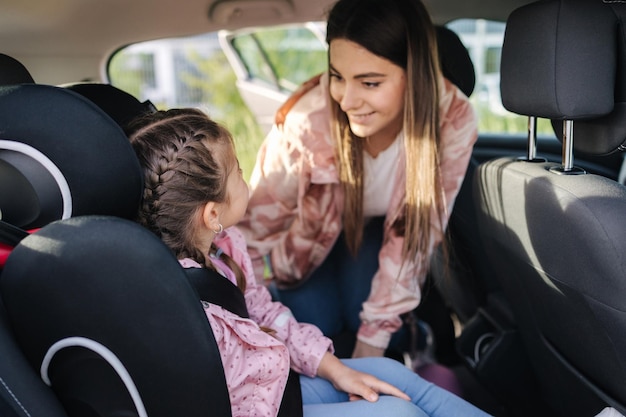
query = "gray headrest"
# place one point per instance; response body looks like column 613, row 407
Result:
column 558, row 60
column 563, row 60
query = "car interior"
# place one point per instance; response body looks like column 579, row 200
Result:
column 97, row 318
column 539, row 213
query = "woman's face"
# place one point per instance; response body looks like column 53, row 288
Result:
column 368, row 88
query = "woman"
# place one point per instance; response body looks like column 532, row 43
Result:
column 354, row 185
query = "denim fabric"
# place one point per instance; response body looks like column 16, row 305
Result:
column 320, row 398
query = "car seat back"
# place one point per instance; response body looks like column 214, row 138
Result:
column 118, row 104
column 455, row 60
column 59, row 156
column 104, row 310
column 554, row 233
column 22, row 393
column 463, row 278
column 13, row 71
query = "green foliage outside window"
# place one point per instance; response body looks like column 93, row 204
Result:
column 201, row 76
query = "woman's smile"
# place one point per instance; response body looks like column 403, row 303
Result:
column 369, row 89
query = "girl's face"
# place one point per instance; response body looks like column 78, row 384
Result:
column 368, row 88
column 237, row 192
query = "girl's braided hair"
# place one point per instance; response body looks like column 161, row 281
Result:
column 182, row 153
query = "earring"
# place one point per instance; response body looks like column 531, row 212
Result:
column 219, row 230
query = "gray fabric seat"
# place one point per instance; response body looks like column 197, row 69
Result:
column 554, row 234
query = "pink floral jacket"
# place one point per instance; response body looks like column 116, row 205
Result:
column 256, row 364
column 294, row 213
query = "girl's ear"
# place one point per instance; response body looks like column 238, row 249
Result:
column 210, row 216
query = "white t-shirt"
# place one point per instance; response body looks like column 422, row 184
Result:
column 379, row 176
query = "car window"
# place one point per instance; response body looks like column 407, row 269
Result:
column 188, row 72
column 240, row 78
column 270, row 63
column 284, row 57
column 483, row 40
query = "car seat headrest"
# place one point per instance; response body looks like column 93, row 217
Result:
column 61, row 156
column 608, row 132
column 13, row 72
column 120, row 105
column 456, row 63
column 561, row 60
column 124, row 299
column 551, row 59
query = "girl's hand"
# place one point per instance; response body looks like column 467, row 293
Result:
column 357, row 384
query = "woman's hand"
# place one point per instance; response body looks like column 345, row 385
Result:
column 357, row 384
column 363, row 350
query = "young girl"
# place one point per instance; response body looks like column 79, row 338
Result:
column 354, row 185
column 194, row 194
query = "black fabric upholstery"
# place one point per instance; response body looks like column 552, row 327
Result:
column 456, row 286
column 554, row 243
column 557, row 241
column 13, row 72
column 456, row 63
column 601, row 136
column 213, row 288
column 22, row 393
column 558, row 60
column 91, row 152
column 465, row 278
column 605, row 135
column 110, row 280
column 121, row 106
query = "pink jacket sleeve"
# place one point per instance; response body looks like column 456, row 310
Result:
column 294, row 213
column 273, row 201
column 305, row 342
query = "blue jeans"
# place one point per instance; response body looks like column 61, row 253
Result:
column 333, row 295
column 320, row 398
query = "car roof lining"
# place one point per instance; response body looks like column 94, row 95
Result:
column 45, row 35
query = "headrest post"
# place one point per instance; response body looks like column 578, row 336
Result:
column 532, row 138
column 568, row 145
column 621, row 177
column 568, row 152
column 532, row 142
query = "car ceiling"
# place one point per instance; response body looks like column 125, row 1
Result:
column 63, row 41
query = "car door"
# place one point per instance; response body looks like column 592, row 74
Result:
column 270, row 63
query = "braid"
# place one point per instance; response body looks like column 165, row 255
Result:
column 159, row 179
column 179, row 151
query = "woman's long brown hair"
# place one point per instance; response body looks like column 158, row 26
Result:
column 400, row 31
